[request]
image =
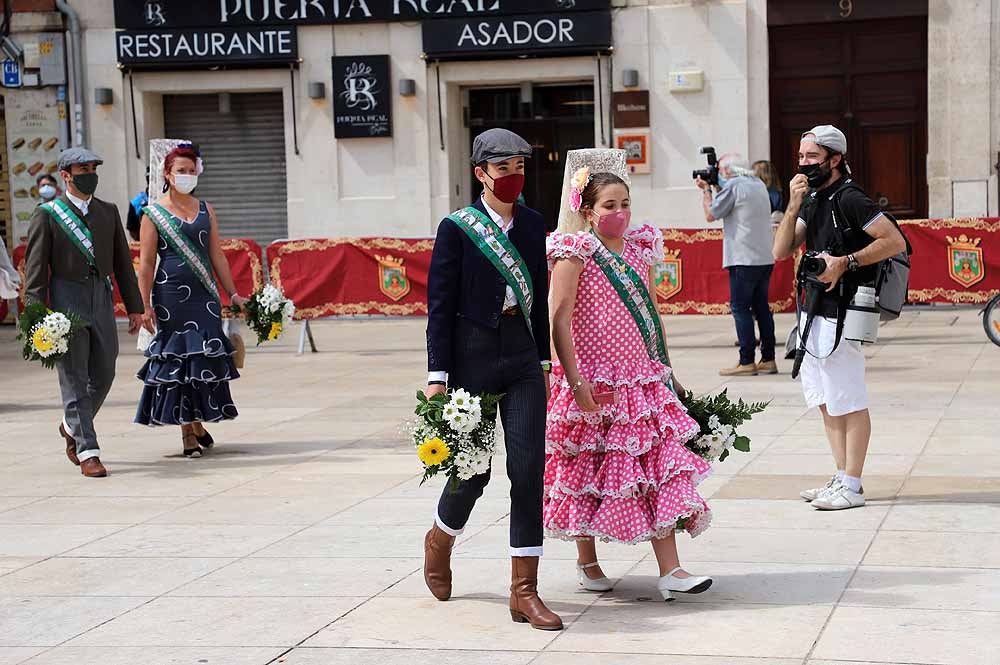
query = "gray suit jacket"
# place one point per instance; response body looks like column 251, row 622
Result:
column 49, row 249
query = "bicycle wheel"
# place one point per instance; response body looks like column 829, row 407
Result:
column 991, row 320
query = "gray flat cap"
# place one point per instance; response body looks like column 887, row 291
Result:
column 71, row 156
column 499, row 145
column 829, row 137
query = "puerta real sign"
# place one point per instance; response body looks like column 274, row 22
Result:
column 513, row 36
column 362, row 96
column 207, row 47
column 163, row 14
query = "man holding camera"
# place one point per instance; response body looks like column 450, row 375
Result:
column 742, row 203
column 834, row 217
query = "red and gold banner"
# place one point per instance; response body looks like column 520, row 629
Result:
column 693, row 281
column 245, row 262
column 954, row 260
column 352, row 276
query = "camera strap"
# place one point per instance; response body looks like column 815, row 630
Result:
column 841, row 317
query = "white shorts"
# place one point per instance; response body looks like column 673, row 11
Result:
column 837, row 381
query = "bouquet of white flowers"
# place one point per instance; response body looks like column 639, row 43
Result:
column 268, row 313
column 46, row 334
column 455, row 434
column 719, row 417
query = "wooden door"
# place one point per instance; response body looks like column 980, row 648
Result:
column 869, row 78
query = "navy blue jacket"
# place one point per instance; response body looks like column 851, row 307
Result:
column 463, row 283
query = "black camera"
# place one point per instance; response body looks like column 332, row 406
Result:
column 710, row 174
column 812, row 265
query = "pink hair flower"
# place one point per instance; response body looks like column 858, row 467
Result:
column 578, row 183
column 575, row 200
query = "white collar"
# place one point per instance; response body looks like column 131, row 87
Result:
column 81, row 204
column 497, row 217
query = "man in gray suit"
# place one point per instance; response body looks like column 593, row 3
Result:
column 75, row 244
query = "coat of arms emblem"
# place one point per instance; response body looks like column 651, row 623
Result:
column 965, row 260
column 669, row 276
column 392, row 280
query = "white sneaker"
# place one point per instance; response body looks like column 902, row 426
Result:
column 839, row 497
column 600, row 584
column 692, row 584
column 811, row 495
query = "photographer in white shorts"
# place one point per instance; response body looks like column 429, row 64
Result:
column 821, row 196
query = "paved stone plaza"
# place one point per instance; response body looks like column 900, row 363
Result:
column 298, row 540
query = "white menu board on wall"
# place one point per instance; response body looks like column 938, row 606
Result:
column 33, row 148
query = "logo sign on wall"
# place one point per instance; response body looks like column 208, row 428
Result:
column 146, row 14
column 631, row 108
column 362, row 96
column 568, row 33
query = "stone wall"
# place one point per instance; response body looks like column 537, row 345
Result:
column 963, row 124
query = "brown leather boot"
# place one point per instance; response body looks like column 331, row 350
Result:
column 70, row 445
column 525, row 605
column 437, row 562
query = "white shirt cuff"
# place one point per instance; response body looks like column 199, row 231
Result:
column 437, row 376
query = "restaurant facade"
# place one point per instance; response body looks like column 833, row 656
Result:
column 331, row 118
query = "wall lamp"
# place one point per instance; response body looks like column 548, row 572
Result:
column 104, row 96
column 317, row 90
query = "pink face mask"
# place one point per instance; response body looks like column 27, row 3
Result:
column 614, row 224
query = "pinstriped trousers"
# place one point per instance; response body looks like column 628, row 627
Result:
column 87, row 370
column 504, row 360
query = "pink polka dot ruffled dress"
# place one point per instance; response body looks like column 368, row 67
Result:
column 622, row 474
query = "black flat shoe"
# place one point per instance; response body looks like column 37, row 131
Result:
column 191, row 451
column 206, row 440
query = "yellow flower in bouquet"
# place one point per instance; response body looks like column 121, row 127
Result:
column 580, row 178
column 433, row 451
column 42, row 340
column 275, row 332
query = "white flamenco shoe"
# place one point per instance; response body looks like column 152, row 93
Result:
column 692, row 584
column 600, row 584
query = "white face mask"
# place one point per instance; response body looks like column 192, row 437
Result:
column 185, row 183
column 47, row 192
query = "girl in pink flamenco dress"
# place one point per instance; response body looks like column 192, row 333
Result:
column 616, row 466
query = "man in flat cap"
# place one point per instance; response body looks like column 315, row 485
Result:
column 488, row 332
column 75, row 244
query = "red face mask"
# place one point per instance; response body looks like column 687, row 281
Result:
column 614, row 224
column 507, row 188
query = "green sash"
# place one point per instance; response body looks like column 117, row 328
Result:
column 73, row 227
column 633, row 292
column 170, row 230
column 497, row 247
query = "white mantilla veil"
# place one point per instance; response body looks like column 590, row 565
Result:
column 158, row 150
column 598, row 160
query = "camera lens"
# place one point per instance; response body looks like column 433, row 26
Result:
column 813, row 265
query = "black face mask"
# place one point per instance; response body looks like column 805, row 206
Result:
column 86, row 183
column 815, row 173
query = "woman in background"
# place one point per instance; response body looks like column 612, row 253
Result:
column 767, row 172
